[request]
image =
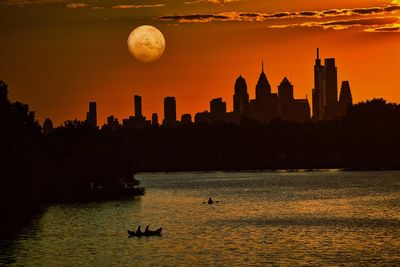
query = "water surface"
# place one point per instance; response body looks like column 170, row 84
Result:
column 262, row 218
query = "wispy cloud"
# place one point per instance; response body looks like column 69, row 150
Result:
column 73, row 4
column 343, row 24
column 22, row 3
column 394, row 27
column 76, row 5
column 254, row 16
column 216, row 2
column 137, row 6
column 371, row 19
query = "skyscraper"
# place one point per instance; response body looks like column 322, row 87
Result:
column 292, row 109
column 329, row 89
column 91, row 116
column 286, row 99
column 345, row 98
column 138, row 106
column 241, row 97
column 317, row 91
column 217, row 106
column 263, row 97
column 325, row 92
column 263, row 88
column 266, row 103
column 169, row 111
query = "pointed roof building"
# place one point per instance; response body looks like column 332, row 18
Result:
column 263, row 87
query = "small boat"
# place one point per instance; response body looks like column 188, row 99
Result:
column 145, row 233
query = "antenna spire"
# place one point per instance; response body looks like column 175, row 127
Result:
column 317, row 53
column 262, row 66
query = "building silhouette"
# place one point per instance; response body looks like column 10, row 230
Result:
column 266, row 105
column 297, row 110
column 186, row 119
column 241, row 98
column 286, row 98
column 317, row 90
column 112, row 122
column 169, row 111
column 329, row 90
column 345, row 98
column 138, row 120
column 91, row 116
column 263, row 95
column 325, row 92
column 217, row 106
column 138, row 106
column 154, row 119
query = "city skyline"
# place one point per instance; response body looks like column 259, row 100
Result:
column 59, row 55
column 328, row 102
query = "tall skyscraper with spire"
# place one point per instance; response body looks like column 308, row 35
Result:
column 325, row 92
column 266, row 105
column 263, row 88
column 317, row 91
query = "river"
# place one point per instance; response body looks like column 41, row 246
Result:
column 261, row 218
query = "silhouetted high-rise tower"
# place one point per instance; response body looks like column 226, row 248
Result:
column 345, row 98
column 138, row 106
column 266, row 105
column 91, row 116
column 329, row 89
column 286, row 99
column 169, row 111
column 317, row 91
column 263, row 88
column 241, row 97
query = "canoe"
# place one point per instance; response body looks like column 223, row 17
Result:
column 145, row 233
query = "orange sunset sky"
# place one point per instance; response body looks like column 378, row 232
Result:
column 57, row 55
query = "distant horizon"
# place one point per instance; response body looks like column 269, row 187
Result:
column 251, row 90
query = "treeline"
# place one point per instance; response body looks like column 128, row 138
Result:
column 65, row 164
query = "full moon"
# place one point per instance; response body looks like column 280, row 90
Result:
column 146, row 43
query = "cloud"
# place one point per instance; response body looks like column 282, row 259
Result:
column 137, row 6
column 217, row 2
column 255, row 16
column 196, row 18
column 22, row 3
column 343, row 24
column 76, row 5
column 395, row 27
